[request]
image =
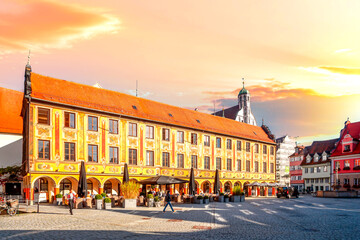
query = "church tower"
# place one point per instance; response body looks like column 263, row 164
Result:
column 245, row 115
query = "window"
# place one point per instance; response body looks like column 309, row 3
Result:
column 315, row 169
column 92, row 153
column 69, row 151
column 307, row 180
column 149, row 158
column 248, row 147
column 194, row 161
column 271, row 168
column 238, row 165
column 271, row 150
column 133, row 129
column 346, row 181
column 180, row 160
column 43, row 149
column 218, row 142
column 325, row 169
column 318, row 169
column 207, row 163
column 248, row 166
column 324, row 157
column 264, row 149
column 180, row 137
column 238, row 145
column 264, row 167
column 207, row 141
column 228, row 143
column 44, row 185
column 337, row 165
column 92, row 123
column 357, row 163
column 321, row 180
column 133, row 156
column 316, row 158
column 256, row 148
column 113, row 126
column 312, row 170
column 149, row 132
column 218, row 163
column 306, row 170
column 194, row 138
column 346, row 148
column 256, row 166
column 228, row 164
column 69, row 120
column 347, row 163
column 356, row 181
column 44, row 116
column 114, row 155
column 166, row 159
column 166, row 134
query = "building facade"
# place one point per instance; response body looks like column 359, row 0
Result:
column 285, row 146
column 241, row 112
column 346, row 159
column 68, row 123
column 316, row 167
column 296, row 159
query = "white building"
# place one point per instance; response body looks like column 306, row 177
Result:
column 285, row 146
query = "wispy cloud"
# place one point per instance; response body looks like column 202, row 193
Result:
column 331, row 69
column 44, row 24
column 343, row 50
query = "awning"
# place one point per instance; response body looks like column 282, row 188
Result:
column 162, row 180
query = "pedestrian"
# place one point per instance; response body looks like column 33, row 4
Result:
column 71, row 199
column 168, row 201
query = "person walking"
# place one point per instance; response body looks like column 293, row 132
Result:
column 71, row 199
column 168, row 201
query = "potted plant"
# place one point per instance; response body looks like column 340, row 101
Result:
column 103, row 195
column 107, row 203
column 59, row 198
column 130, row 191
column 157, row 201
column 150, row 200
column 98, row 201
column 242, row 196
column 206, row 199
column 226, row 198
column 235, row 197
column 221, row 197
column 199, row 199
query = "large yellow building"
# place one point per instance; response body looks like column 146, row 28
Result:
column 66, row 123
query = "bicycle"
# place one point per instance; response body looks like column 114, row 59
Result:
column 7, row 206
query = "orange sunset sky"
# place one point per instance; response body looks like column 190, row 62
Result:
column 300, row 59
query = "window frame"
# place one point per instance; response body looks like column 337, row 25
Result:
column 149, row 132
column 150, row 158
column 111, row 126
column 206, row 140
column 238, row 145
column 44, row 149
column 70, row 144
column 265, row 167
column 265, row 149
column 207, row 162
column 97, row 152
column 111, row 150
column 132, row 157
column 248, row 165
column 131, row 129
column 166, row 134
column 229, row 164
column 48, row 115
column 180, row 136
column 228, row 144
column 194, row 138
column 69, row 114
column 97, row 123
column 217, row 165
column 238, row 165
column 256, row 148
column 194, row 159
column 180, row 160
column 256, row 166
column 218, row 142
column 248, row 147
column 165, row 159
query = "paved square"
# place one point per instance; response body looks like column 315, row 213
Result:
column 257, row 218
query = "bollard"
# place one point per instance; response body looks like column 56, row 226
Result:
column 38, row 206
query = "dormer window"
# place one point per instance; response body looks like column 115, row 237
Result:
column 308, row 158
column 316, row 158
column 324, row 157
column 347, row 148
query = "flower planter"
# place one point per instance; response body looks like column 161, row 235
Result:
column 130, row 203
column 242, row 198
column 211, row 199
column 206, row 201
column 59, row 201
column 199, row 201
column 99, row 203
column 226, row 200
column 221, row 199
column 150, row 202
column 108, row 205
column 235, row 198
column 158, row 204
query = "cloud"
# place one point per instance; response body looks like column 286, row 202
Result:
column 271, row 89
column 333, row 70
column 45, row 24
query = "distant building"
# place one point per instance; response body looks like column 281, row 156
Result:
column 285, row 146
column 242, row 111
column 295, row 168
column 316, row 166
column 346, row 159
column 11, row 125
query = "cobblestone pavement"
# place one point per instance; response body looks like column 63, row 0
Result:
column 257, row 218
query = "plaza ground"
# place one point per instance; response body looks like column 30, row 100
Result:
column 257, row 218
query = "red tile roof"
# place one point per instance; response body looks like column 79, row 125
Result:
column 74, row 94
column 354, row 130
column 10, row 111
column 319, row 147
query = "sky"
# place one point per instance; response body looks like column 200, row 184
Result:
column 299, row 59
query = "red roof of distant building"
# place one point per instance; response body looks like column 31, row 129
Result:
column 74, row 94
column 10, row 109
column 354, row 130
column 319, row 147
